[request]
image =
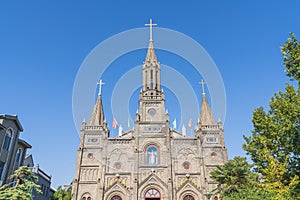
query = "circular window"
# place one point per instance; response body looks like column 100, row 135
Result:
column 152, row 111
column 90, row 155
column 117, row 165
column 213, row 155
column 186, row 165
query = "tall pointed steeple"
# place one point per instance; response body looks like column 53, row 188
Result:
column 97, row 117
column 151, row 66
column 206, row 116
column 152, row 99
column 151, row 55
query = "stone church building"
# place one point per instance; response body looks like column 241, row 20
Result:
column 151, row 161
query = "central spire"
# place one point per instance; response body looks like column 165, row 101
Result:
column 151, row 66
column 151, row 56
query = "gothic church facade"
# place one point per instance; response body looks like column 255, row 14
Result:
column 152, row 161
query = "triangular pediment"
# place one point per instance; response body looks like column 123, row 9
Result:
column 117, row 185
column 188, row 184
column 153, row 178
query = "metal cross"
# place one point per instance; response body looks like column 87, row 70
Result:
column 150, row 25
column 202, row 83
column 100, row 83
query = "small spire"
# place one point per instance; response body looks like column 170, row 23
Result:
column 183, row 130
column 151, row 56
column 206, row 116
column 120, row 131
column 97, row 117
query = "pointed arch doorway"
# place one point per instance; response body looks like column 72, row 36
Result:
column 152, row 194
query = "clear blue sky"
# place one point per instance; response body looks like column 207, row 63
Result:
column 43, row 43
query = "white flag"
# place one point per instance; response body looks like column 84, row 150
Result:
column 174, row 124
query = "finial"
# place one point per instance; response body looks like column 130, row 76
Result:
column 183, row 130
column 120, row 131
column 150, row 25
column 100, row 83
column 202, row 83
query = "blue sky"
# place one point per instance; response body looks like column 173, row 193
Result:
column 43, row 44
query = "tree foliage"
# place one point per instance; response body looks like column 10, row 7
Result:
column 291, row 57
column 274, row 144
column 231, row 176
column 22, row 186
column 236, row 181
column 62, row 194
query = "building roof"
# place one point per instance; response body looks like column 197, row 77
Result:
column 43, row 174
column 2, row 127
column 12, row 117
column 24, row 143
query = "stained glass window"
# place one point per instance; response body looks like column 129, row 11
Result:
column 152, row 155
column 152, row 193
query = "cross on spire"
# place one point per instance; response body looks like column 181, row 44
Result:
column 151, row 25
column 202, row 83
column 100, row 83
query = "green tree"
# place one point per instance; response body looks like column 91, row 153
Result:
column 23, row 185
column 274, row 144
column 291, row 57
column 62, row 194
column 233, row 175
column 236, row 181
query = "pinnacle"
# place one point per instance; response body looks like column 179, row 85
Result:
column 97, row 117
column 206, row 116
column 151, row 55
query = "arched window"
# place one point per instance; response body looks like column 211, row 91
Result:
column 188, row 197
column 7, row 139
column 86, row 196
column 116, row 197
column 152, row 194
column 18, row 155
column 152, row 155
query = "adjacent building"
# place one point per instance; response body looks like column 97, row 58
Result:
column 13, row 149
column 151, row 161
column 13, row 154
column 44, row 180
